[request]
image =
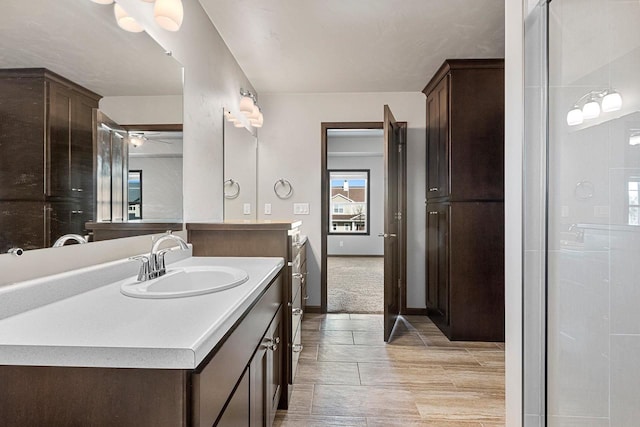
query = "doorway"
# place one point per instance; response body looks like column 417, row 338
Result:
column 353, row 228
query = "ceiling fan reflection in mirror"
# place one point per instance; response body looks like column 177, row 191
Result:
column 139, row 138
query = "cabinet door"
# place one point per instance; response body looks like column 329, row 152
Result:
column 265, row 369
column 438, row 140
column 65, row 218
column 438, row 259
column 236, row 413
column 82, row 153
column 59, row 141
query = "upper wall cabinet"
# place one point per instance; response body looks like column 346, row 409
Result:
column 47, row 136
column 465, row 131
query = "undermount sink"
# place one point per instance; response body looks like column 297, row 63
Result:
column 185, row 282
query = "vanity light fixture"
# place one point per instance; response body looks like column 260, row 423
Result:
column 125, row 21
column 250, row 108
column 168, row 14
column 595, row 102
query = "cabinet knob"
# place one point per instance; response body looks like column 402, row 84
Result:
column 297, row 348
column 297, row 312
column 433, row 189
column 433, row 213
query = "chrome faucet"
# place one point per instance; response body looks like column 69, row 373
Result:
column 153, row 266
column 64, row 239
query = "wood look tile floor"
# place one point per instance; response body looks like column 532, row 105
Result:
column 348, row 376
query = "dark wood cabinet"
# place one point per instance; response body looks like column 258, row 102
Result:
column 46, row 153
column 265, row 238
column 465, row 194
column 465, row 131
column 438, row 261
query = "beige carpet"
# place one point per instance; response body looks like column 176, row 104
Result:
column 355, row 284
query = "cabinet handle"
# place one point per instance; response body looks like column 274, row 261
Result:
column 385, row 235
column 297, row 275
column 77, row 212
column 433, row 213
column 79, row 190
column 273, row 343
column 433, row 189
column 297, row 312
column 297, row 348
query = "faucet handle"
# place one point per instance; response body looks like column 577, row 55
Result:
column 160, row 265
column 145, row 267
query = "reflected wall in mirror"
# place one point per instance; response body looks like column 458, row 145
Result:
column 60, row 61
column 240, row 173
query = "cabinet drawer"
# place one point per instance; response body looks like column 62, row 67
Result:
column 213, row 383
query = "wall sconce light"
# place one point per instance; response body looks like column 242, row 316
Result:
column 168, row 14
column 250, row 108
column 595, row 102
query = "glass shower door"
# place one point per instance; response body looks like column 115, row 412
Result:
column 587, row 295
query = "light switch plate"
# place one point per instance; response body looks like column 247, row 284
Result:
column 247, row 208
column 301, row 208
column 267, row 208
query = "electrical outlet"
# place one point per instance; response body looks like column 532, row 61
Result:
column 341, row 243
column 267, row 208
column 247, row 208
column 301, row 208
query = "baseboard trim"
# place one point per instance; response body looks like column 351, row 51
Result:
column 415, row 311
column 313, row 309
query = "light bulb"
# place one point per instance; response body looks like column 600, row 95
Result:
column 612, row 101
column 246, row 105
column 230, row 117
column 258, row 122
column 125, row 21
column 591, row 109
column 136, row 141
column 574, row 117
column 238, row 124
column 168, row 14
column 254, row 114
column 102, row 1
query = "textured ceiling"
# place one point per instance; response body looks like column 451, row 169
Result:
column 81, row 41
column 354, row 45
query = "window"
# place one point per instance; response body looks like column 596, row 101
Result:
column 135, row 194
column 349, row 201
column 633, row 200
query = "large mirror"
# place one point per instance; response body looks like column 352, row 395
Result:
column 84, row 60
column 240, row 173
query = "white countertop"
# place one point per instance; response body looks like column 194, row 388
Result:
column 103, row 328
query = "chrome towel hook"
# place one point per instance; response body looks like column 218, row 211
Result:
column 283, row 188
column 234, row 189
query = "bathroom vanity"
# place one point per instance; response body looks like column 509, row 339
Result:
column 266, row 238
column 75, row 351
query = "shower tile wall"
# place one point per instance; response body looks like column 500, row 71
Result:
column 593, row 341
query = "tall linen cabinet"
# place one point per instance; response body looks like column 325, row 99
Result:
column 465, row 199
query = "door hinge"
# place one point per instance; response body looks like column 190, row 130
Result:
column 398, row 216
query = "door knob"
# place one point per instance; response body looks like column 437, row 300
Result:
column 385, row 235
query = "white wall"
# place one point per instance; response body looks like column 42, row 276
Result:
column 514, row 128
column 372, row 159
column 290, row 147
column 138, row 110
